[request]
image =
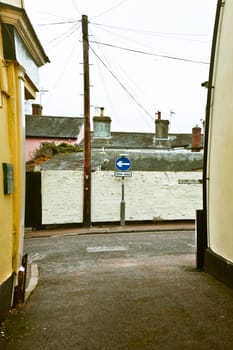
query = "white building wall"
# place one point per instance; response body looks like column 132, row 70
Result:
column 148, row 196
column 62, row 196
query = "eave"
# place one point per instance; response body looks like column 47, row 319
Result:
column 19, row 19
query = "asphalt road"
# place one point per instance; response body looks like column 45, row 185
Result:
column 120, row 291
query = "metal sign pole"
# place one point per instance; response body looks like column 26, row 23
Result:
column 123, row 164
column 122, row 201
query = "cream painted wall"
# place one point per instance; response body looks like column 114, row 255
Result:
column 220, row 164
column 17, row 3
column 148, row 196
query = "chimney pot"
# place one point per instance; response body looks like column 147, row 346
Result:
column 101, row 111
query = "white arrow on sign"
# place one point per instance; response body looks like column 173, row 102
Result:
column 121, row 164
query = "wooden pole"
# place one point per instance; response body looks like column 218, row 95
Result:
column 87, row 137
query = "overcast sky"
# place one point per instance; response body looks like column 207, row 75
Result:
column 145, row 56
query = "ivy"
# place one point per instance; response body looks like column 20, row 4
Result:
column 47, row 150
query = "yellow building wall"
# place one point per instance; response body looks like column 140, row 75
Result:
column 17, row 146
column 12, row 140
column 16, row 83
column 220, row 148
column 6, row 202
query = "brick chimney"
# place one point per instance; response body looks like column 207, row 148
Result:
column 36, row 109
column 196, row 139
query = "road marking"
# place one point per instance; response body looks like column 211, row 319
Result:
column 107, row 249
column 36, row 256
column 190, row 245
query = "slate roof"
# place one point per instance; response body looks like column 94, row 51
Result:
column 143, row 160
column 140, row 148
column 52, row 127
column 128, row 140
column 137, row 140
column 69, row 127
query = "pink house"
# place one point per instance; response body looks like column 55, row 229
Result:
column 41, row 128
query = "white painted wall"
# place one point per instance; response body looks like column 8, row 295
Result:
column 62, row 196
column 148, row 196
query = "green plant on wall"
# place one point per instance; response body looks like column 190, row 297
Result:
column 47, row 150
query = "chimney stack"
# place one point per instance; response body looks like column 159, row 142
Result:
column 196, row 139
column 102, row 126
column 161, row 127
column 161, row 138
column 36, row 109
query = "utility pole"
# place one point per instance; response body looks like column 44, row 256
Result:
column 87, row 133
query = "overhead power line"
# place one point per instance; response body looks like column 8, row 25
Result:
column 51, row 14
column 76, row 7
column 150, row 32
column 57, row 23
column 120, row 70
column 63, row 36
column 120, row 83
column 149, row 53
column 111, row 8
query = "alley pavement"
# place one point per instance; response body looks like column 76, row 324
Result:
column 113, row 228
column 131, row 289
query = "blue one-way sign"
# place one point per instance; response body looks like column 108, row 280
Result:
column 123, row 164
